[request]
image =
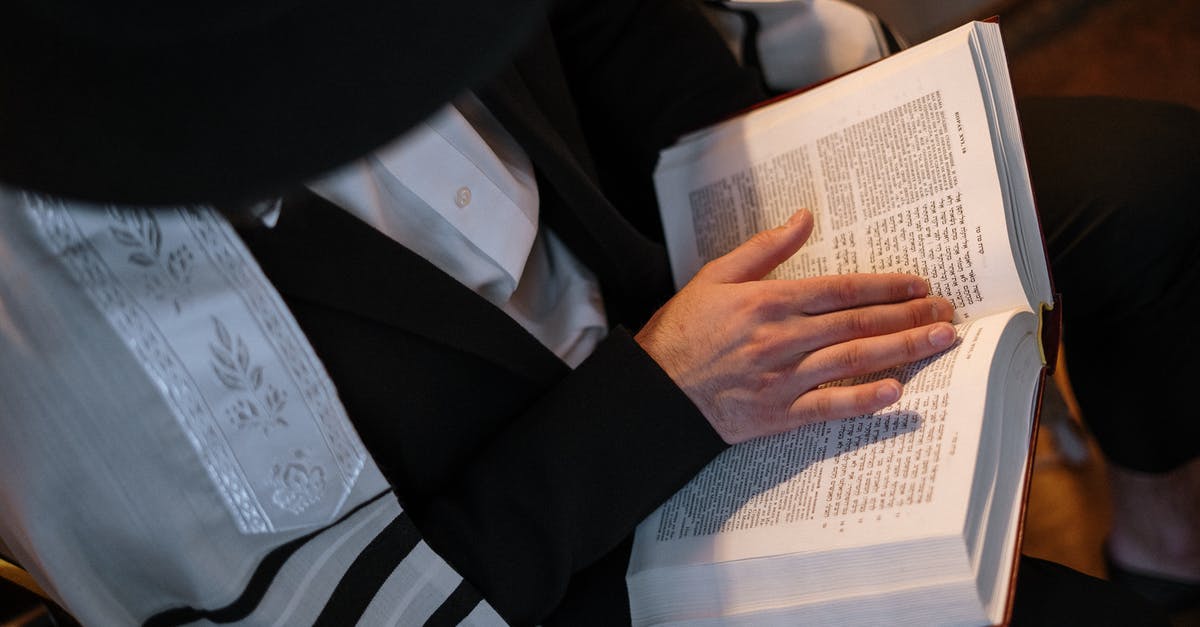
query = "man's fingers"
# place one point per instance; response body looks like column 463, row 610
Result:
column 762, row 253
column 861, row 322
column 836, row 293
column 835, row 402
column 843, row 291
column 781, row 338
column 867, row 355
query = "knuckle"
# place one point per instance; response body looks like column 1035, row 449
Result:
column 747, row 321
column 756, row 355
column 770, row 309
column 708, row 268
column 863, row 400
column 756, row 337
column 821, row 409
column 846, row 292
column 859, row 323
column 912, row 347
column 942, row 309
column 916, row 314
column 754, row 306
column 760, row 385
column 851, row 357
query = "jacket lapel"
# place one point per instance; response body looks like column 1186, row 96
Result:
column 533, row 104
column 319, row 253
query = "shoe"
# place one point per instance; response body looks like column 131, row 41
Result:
column 1172, row 595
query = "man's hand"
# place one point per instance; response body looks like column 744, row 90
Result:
column 752, row 353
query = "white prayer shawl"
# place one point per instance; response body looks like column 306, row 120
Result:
column 165, row 426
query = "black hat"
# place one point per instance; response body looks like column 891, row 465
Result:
column 175, row 101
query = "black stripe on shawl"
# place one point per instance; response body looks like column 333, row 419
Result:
column 456, row 607
column 255, row 589
column 368, row 573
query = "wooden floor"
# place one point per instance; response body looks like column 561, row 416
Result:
column 1068, row 513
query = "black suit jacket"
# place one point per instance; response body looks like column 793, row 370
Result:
column 526, row 476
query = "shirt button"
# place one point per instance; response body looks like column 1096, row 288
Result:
column 462, row 197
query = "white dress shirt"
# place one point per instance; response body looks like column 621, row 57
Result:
column 460, row 192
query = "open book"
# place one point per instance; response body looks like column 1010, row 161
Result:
column 913, row 514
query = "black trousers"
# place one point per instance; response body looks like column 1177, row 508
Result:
column 1052, row 595
column 1117, row 184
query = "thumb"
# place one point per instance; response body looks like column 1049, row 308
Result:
column 763, row 252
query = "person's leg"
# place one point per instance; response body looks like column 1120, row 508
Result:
column 1118, row 187
column 1052, row 595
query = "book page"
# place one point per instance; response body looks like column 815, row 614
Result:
column 896, row 162
column 901, row 473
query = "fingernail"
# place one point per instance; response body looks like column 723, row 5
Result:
column 888, row 393
column 795, row 219
column 942, row 335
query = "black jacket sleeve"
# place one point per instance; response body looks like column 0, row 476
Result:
column 569, row 480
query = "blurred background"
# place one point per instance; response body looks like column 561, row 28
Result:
column 1141, row 48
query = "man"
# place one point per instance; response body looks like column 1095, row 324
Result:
column 485, row 434
column 524, row 474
